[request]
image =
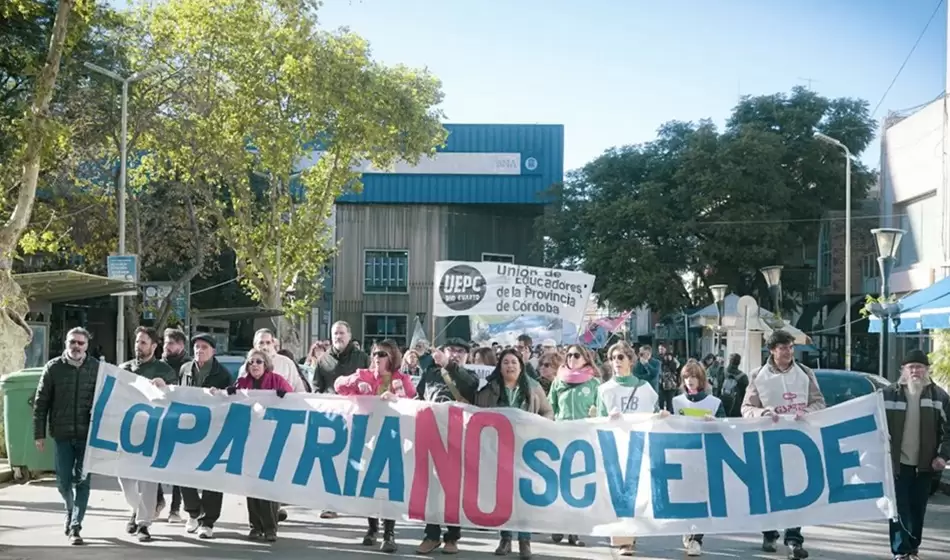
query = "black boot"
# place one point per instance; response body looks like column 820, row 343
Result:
column 131, row 527
column 371, row 532
column 389, row 537
column 504, row 547
column 574, row 540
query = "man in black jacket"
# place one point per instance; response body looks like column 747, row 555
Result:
column 64, row 401
column 173, row 354
column 343, row 358
column 203, row 506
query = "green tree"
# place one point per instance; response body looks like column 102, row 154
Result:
column 34, row 133
column 659, row 222
column 266, row 87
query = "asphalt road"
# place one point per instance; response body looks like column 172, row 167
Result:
column 31, row 518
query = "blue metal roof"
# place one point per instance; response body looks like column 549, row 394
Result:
column 543, row 143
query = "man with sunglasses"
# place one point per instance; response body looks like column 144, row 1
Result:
column 64, row 401
column 446, row 381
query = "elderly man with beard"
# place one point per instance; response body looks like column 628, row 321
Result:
column 917, row 411
column 142, row 496
column 343, row 358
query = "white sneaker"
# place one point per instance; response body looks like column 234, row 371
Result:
column 174, row 518
column 205, row 533
column 191, row 525
column 694, row 549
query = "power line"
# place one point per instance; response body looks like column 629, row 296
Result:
column 907, row 59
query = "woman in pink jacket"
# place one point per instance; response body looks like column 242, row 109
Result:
column 382, row 379
column 261, row 514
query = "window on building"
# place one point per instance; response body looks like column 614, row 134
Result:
column 824, row 256
column 498, row 257
column 920, row 218
column 386, row 272
column 377, row 328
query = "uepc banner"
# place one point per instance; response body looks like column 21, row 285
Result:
column 492, row 288
column 499, row 468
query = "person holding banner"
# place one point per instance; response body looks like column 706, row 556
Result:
column 696, row 402
column 574, row 395
column 63, row 400
column 782, row 388
column 261, row 514
column 510, row 386
column 142, row 496
column 203, row 506
column 446, row 380
column 625, row 393
column 917, row 412
column 385, row 380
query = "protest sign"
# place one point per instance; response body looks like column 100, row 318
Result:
column 498, row 468
column 492, row 288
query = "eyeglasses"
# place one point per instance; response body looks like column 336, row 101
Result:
column 256, row 362
column 618, row 357
column 573, row 355
column 77, row 343
column 380, row 354
column 548, row 364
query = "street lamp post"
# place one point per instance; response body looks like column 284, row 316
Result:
column 719, row 296
column 847, row 244
column 123, row 147
column 888, row 241
column 773, row 277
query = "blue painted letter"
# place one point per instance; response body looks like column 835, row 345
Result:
column 94, row 440
column 388, row 451
column 772, row 442
column 662, row 473
column 354, row 457
column 325, row 452
column 237, row 426
column 529, row 454
column 749, row 472
column 173, row 434
column 586, row 451
column 147, row 444
column 285, row 422
column 836, row 462
column 623, row 483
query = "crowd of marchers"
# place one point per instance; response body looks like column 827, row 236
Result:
column 558, row 383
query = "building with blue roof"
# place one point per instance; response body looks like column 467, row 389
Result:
column 477, row 199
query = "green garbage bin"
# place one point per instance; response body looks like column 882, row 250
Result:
column 19, row 390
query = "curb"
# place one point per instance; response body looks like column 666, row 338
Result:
column 6, row 475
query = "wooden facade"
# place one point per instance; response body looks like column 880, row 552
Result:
column 428, row 233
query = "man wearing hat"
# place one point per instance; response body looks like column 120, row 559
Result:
column 203, row 506
column 917, row 412
column 446, row 380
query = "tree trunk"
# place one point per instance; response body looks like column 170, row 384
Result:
column 14, row 332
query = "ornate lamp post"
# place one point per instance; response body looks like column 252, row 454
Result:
column 888, row 241
column 773, row 278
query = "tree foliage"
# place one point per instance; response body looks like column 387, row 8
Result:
column 265, row 87
column 707, row 205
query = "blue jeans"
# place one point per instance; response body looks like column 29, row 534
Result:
column 521, row 536
column 72, row 482
column 912, row 489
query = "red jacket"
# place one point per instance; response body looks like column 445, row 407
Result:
column 269, row 381
column 366, row 382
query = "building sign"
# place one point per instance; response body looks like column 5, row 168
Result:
column 155, row 294
column 446, row 163
column 487, row 288
column 123, row 267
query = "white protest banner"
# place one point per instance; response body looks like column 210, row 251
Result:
column 492, row 288
column 499, row 468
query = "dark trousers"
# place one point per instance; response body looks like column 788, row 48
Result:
column 71, row 481
column 389, row 525
column 176, row 498
column 793, row 535
column 434, row 533
column 666, row 399
column 262, row 515
column 912, row 488
column 203, row 505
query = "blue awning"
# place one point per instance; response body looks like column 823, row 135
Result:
column 913, row 306
column 936, row 314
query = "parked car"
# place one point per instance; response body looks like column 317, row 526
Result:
column 838, row 385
